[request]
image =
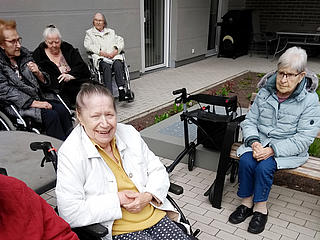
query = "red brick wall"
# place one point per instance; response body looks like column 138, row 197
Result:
column 287, row 15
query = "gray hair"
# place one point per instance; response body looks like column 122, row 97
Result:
column 51, row 30
column 295, row 58
column 88, row 90
column 104, row 18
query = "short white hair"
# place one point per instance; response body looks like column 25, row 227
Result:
column 51, row 30
column 295, row 58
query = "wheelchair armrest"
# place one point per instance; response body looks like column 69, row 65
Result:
column 96, row 230
column 175, row 189
column 3, row 171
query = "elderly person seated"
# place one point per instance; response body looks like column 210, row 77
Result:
column 20, row 81
column 25, row 215
column 278, row 130
column 63, row 63
column 104, row 46
column 107, row 174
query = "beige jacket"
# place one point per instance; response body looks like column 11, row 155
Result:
column 106, row 41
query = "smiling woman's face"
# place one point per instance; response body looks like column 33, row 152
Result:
column 99, row 119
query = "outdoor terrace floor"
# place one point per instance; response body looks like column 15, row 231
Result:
column 292, row 214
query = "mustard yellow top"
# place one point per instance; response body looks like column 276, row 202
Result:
column 130, row 222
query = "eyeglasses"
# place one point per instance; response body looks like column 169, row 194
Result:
column 14, row 41
column 287, row 75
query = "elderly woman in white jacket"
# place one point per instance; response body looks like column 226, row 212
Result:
column 104, row 47
column 108, row 175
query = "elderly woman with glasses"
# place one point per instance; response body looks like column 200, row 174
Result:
column 63, row 63
column 278, row 130
column 20, row 85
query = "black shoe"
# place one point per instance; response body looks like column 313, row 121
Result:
column 258, row 222
column 122, row 95
column 240, row 214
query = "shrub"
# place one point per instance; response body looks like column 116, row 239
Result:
column 225, row 90
column 314, row 149
column 176, row 108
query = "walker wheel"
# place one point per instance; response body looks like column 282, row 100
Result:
column 234, row 172
column 191, row 159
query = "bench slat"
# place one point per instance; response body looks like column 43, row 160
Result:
column 304, row 172
column 311, row 169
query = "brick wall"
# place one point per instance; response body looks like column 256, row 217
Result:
column 287, row 15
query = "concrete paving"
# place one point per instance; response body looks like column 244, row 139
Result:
column 292, row 214
column 154, row 90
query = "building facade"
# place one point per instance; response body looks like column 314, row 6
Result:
column 157, row 33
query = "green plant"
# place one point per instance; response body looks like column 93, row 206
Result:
column 163, row 116
column 245, row 83
column 225, row 90
column 176, row 108
column 260, row 75
column 314, row 149
column 318, row 89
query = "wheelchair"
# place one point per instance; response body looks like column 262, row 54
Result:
column 97, row 231
column 215, row 130
column 15, row 122
column 97, row 76
column 11, row 119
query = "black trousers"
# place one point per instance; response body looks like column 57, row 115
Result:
column 57, row 121
column 107, row 69
column 69, row 90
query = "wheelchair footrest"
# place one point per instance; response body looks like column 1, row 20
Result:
column 176, row 189
column 96, row 230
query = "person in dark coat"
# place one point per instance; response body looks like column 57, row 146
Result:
column 25, row 215
column 63, row 63
column 20, row 80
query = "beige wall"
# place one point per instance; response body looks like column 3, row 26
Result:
column 190, row 27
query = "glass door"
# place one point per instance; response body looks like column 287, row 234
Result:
column 213, row 39
column 155, row 31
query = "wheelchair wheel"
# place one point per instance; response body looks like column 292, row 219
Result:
column 130, row 96
column 5, row 123
column 192, row 157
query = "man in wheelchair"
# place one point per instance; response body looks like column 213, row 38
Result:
column 107, row 174
column 104, row 47
column 20, row 80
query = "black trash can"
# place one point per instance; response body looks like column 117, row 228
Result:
column 236, row 28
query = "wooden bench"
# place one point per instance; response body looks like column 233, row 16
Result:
column 305, row 178
column 311, row 169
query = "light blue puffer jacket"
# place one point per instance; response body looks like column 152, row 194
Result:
column 288, row 127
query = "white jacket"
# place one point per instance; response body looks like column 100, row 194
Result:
column 107, row 41
column 86, row 187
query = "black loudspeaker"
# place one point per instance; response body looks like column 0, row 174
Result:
column 236, row 28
